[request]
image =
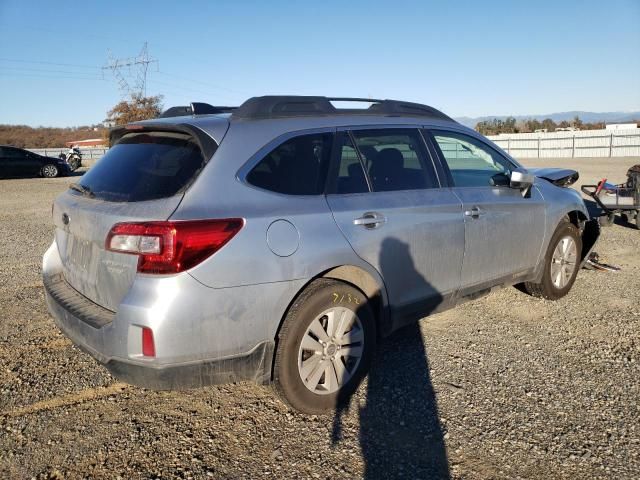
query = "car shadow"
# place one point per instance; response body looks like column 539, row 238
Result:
column 400, row 433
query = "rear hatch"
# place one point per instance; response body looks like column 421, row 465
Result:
column 143, row 177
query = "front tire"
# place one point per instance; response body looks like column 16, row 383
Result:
column 325, row 346
column 50, row 171
column 561, row 264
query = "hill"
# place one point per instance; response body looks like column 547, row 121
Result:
column 587, row 117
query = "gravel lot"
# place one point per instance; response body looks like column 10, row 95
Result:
column 504, row 387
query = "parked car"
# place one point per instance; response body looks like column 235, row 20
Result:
column 277, row 242
column 17, row 162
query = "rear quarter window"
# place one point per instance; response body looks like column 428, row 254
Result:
column 145, row 166
column 296, row 167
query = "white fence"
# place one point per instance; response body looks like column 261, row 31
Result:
column 586, row 143
column 87, row 153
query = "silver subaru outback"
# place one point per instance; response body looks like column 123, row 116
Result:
column 279, row 240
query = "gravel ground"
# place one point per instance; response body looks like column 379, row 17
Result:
column 503, row 387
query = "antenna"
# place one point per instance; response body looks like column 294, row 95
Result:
column 141, row 66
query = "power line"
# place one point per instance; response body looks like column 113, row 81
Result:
column 219, row 87
column 14, row 74
column 49, row 63
column 124, row 66
column 42, row 70
column 186, row 92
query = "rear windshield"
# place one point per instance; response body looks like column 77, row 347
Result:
column 144, row 166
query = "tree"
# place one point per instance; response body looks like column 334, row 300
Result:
column 135, row 109
column 576, row 122
column 509, row 125
column 532, row 125
column 44, row 137
column 549, row 124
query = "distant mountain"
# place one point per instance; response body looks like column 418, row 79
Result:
column 588, row 117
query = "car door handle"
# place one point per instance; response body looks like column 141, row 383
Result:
column 475, row 212
column 370, row 220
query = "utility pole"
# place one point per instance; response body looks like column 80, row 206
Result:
column 139, row 65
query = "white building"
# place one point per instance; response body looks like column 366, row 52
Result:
column 621, row 126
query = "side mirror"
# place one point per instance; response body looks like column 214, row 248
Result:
column 522, row 180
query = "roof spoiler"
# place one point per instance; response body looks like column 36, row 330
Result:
column 195, row 108
column 207, row 144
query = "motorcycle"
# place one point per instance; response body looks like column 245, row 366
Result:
column 74, row 159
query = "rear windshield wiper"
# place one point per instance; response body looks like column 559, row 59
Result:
column 82, row 189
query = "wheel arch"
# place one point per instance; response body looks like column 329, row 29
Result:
column 589, row 231
column 372, row 287
column 577, row 217
column 369, row 283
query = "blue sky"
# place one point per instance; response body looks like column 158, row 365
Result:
column 467, row 58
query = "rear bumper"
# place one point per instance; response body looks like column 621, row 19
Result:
column 90, row 328
column 202, row 335
column 255, row 367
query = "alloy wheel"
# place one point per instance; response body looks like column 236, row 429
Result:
column 563, row 262
column 330, row 350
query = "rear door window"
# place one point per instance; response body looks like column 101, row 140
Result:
column 145, row 166
column 296, row 167
column 395, row 159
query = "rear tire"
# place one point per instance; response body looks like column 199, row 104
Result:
column 50, row 171
column 324, row 347
column 561, row 264
column 638, row 219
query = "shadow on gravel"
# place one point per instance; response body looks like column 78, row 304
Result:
column 400, row 432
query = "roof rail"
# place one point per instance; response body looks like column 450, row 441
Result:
column 196, row 108
column 272, row 106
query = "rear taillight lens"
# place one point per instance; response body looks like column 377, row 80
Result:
column 171, row 247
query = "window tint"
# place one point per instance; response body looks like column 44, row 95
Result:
column 296, row 167
column 351, row 178
column 472, row 163
column 145, row 166
column 395, row 159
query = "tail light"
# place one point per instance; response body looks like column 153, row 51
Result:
column 172, row 247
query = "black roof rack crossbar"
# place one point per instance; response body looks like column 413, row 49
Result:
column 274, row 106
column 196, row 108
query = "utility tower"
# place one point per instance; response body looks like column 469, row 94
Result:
column 136, row 69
